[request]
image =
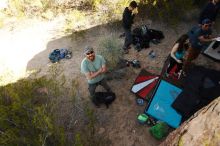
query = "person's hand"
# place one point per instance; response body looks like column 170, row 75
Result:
column 179, row 61
column 135, row 11
column 100, row 70
column 216, row 39
column 91, row 73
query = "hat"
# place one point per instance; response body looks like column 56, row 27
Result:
column 88, row 49
column 206, row 21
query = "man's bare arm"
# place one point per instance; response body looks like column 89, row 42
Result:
column 104, row 69
column 206, row 39
column 91, row 75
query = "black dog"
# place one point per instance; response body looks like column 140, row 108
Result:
column 103, row 98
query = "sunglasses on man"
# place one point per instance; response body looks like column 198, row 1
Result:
column 91, row 52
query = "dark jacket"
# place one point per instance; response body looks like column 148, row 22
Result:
column 210, row 11
column 127, row 19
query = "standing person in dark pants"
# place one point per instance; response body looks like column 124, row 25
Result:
column 94, row 68
column 127, row 21
column 210, row 11
column 177, row 54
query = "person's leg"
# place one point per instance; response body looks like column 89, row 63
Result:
column 128, row 39
column 104, row 84
column 92, row 88
column 192, row 55
column 187, row 61
column 179, row 66
column 171, row 65
column 195, row 54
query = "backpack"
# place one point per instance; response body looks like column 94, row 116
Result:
column 140, row 37
column 65, row 53
column 103, row 98
column 58, row 54
column 155, row 34
column 143, row 35
column 54, row 56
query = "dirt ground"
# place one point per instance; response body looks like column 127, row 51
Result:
column 119, row 122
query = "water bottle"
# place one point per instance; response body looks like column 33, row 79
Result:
column 152, row 54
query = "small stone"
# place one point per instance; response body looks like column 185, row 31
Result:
column 101, row 130
column 43, row 91
column 134, row 131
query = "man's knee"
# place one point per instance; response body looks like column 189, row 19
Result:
column 105, row 85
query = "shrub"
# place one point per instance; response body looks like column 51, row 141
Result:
column 26, row 114
column 169, row 11
column 110, row 49
column 74, row 19
column 43, row 112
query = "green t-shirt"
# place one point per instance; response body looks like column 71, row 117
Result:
column 93, row 66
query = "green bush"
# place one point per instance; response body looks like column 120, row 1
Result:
column 88, row 136
column 26, row 115
column 30, row 8
column 110, row 49
column 31, row 113
column 169, row 11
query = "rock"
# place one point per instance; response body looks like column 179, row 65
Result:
column 117, row 74
column 42, row 91
column 101, row 130
column 201, row 129
column 133, row 131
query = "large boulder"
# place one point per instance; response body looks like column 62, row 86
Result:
column 203, row 128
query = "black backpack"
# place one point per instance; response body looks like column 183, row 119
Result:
column 103, row 98
column 155, row 34
column 141, row 37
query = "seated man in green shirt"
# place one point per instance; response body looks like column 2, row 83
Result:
column 94, row 68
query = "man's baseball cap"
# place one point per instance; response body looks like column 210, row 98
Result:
column 206, row 21
column 88, row 49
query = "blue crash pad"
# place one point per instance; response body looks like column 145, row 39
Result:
column 160, row 106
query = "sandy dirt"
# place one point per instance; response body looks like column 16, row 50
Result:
column 26, row 49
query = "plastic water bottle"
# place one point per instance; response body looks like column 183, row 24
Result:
column 152, row 54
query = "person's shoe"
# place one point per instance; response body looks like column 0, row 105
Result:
column 125, row 51
column 176, row 74
column 184, row 73
column 167, row 75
